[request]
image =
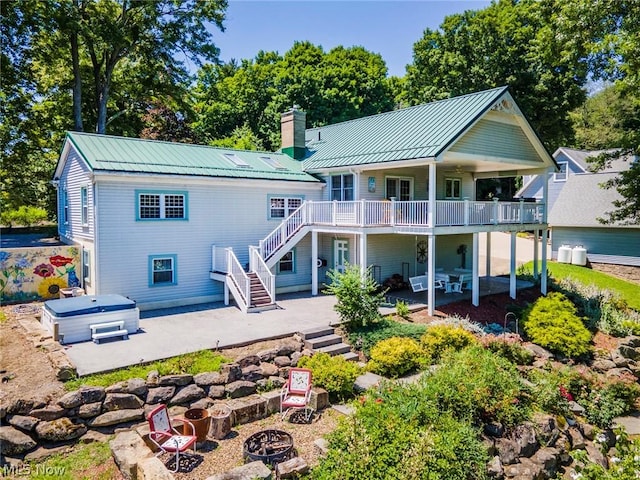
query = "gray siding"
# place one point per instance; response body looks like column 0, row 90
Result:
column 227, row 214
column 608, row 241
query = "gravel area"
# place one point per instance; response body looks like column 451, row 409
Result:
column 222, row 455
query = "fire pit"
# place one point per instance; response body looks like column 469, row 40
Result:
column 269, row 446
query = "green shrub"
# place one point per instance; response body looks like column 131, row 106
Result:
column 610, row 400
column 357, row 301
column 402, row 309
column 441, row 338
column 397, row 433
column 335, row 374
column 476, row 385
column 25, row 216
column 551, row 391
column 625, row 468
column 396, row 356
column 366, row 337
column 509, row 348
column 552, row 322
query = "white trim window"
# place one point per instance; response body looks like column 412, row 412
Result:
column 287, row 263
column 84, row 205
column 400, row 188
column 342, row 187
column 65, row 206
column 282, row 207
column 452, row 188
column 86, row 266
column 161, row 206
column 561, row 176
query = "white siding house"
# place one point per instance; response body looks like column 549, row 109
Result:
column 170, row 224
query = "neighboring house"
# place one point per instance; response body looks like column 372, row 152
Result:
column 570, row 162
column 574, row 219
column 392, row 191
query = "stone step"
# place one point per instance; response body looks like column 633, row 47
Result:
column 336, row 349
column 316, row 332
column 350, row 356
column 324, row 341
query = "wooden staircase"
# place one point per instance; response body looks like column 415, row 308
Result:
column 325, row 340
column 260, row 300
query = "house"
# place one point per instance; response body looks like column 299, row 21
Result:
column 574, row 218
column 174, row 224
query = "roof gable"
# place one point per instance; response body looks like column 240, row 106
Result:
column 105, row 153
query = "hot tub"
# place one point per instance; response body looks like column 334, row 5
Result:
column 71, row 318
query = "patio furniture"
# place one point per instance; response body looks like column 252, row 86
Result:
column 166, row 437
column 456, row 287
column 296, row 393
column 421, row 282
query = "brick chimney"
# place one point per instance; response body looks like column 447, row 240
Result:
column 292, row 127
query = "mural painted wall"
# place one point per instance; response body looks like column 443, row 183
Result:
column 37, row 273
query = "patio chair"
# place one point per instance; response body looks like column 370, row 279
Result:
column 166, row 437
column 456, row 287
column 296, row 393
column 418, row 284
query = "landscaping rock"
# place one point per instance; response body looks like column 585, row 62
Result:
column 525, row 437
column 273, row 401
column 153, row 377
column 247, row 409
column 152, row 468
column 160, row 394
column 209, row 378
column 494, row 468
column 216, row 391
column 60, row 430
column 596, row 455
column 48, row 413
column 252, row 373
column 366, row 381
column 41, row 453
column 494, row 429
column 188, row 394
column 295, row 358
column 588, row 431
column 288, row 346
column 277, row 381
column 525, row 469
column 603, row 364
column 249, row 471
column 538, row 351
column 90, row 410
column 576, row 438
column 65, row 370
column 248, row 360
column 631, row 423
column 202, row 403
column 82, row 396
column 630, row 341
column 23, row 422
column 507, row 451
column 547, row 457
column 618, row 359
column 135, row 386
column 267, row 355
column 92, row 436
column 321, row 446
column 576, row 408
column 23, row 406
column 268, row 369
column 127, row 449
column 282, row 361
column 115, row 417
column 231, row 372
column 240, row 388
column 175, row 380
column 629, row 352
column 121, row 401
column 319, row 398
column 619, row 373
column 14, row 442
column 292, row 468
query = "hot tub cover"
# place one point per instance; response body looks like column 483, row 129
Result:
column 88, row 304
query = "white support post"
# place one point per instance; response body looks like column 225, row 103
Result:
column 487, row 272
column 431, row 206
column 363, row 254
column 466, row 211
column 543, row 273
column 362, row 210
column 475, row 283
column 314, row 261
column 213, row 258
column 431, row 267
column 536, row 241
column 226, row 293
column 512, row 267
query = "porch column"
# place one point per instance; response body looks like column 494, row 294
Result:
column 487, row 272
column 475, row 283
column 543, row 274
column 536, row 239
column 431, row 206
column 226, row 293
column 512, row 269
column 363, row 253
column 314, row 262
column 431, row 267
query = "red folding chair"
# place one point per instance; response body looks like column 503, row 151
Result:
column 166, row 437
column 296, row 393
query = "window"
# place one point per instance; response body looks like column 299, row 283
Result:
column 561, row 176
column 282, row 207
column 342, row 187
column 161, row 206
column 162, row 270
column 86, row 266
column 84, row 203
column 400, row 188
column 287, row 263
column 65, row 206
column 236, row 160
column 273, row 163
column 452, row 188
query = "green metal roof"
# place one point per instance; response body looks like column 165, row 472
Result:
column 422, row 131
column 122, row 154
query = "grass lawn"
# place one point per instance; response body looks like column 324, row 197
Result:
column 85, row 462
column 627, row 290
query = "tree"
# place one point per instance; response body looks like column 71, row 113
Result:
column 510, row 43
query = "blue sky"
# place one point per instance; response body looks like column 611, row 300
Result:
column 389, row 28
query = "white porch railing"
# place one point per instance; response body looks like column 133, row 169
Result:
column 219, row 259
column 259, row 267
column 240, row 278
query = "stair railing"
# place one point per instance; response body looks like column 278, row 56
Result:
column 239, row 276
column 258, row 266
column 283, row 232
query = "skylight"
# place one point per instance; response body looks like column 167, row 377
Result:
column 236, row 160
column 273, row 163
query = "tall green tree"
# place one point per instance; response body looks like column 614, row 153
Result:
column 511, row 42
